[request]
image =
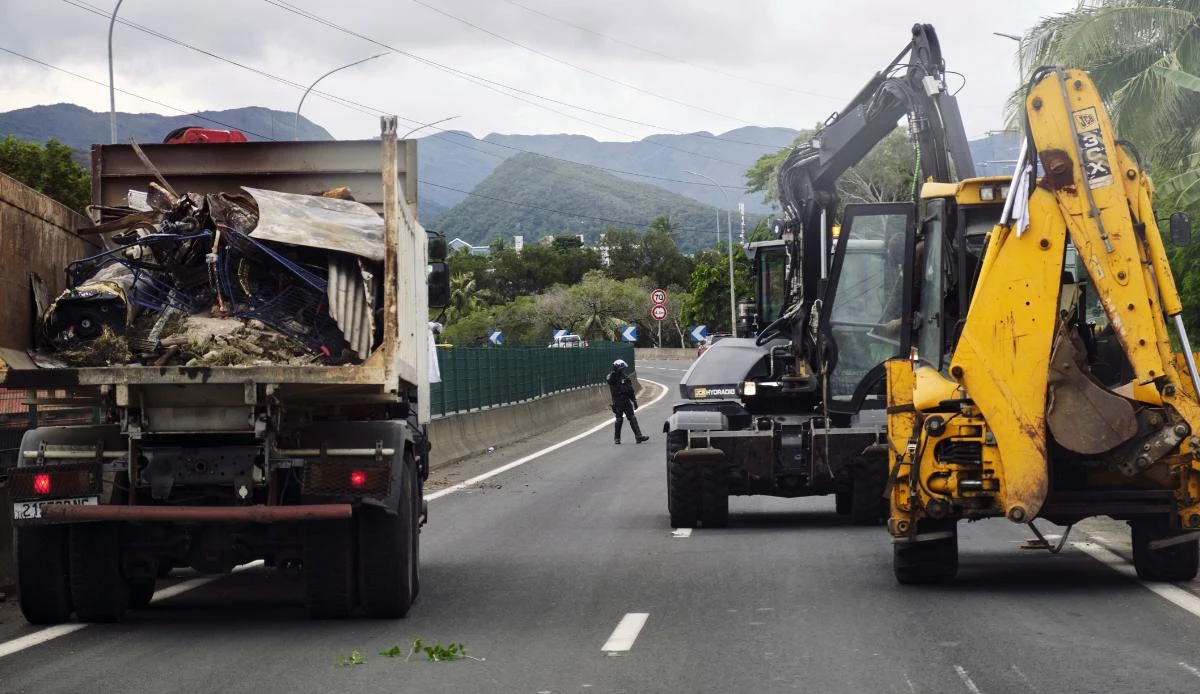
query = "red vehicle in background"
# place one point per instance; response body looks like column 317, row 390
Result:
column 189, row 135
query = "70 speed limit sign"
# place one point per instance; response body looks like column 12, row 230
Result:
column 658, row 296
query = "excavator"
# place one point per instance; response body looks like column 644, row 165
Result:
column 794, row 405
column 1042, row 379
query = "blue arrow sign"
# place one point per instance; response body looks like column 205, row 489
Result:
column 699, row 333
column 629, row 333
column 559, row 333
column 496, row 337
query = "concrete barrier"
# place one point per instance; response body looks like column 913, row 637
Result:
column 468, row 434
column 669, row 353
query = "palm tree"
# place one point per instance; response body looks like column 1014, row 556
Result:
column 463, row 296
column 1143, row 55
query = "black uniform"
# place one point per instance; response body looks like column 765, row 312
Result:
column 624, row 402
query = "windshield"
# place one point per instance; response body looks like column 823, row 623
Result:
column 772, row 290
column 867, row 306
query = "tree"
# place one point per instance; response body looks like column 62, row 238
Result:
column 707, row 301
column 48, row 169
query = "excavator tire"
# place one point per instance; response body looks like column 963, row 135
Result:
column 1172, row 563
column 676, row 441
column 930, row 561
column 868, row 506
column 683, row 494
column 714, row 495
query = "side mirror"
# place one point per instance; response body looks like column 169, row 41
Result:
column 437, row 247
column 439, row 284
column 1181, row 229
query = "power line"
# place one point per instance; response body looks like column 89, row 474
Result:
column 129, row 93
column 264, row 137
column 493, row 85
column 580, row 68
column 360, row 107
column 651, row 51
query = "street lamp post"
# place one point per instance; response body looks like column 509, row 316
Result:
column 112, row 92
column 296, row 121
column 427, row 125
column 729, row 235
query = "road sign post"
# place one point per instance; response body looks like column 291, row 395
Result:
column 658, row 312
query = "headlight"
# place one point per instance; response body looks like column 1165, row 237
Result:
column 1004, row 191
column 749, row 389
column 987, row 194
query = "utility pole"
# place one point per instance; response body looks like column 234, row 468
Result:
column 112, row 92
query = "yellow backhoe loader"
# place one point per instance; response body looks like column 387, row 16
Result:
column 1060, row 394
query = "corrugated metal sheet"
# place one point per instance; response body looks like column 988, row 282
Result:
column 352, row 301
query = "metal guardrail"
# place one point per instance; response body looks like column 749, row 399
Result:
column 474, row 378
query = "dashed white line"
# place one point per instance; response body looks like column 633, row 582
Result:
column 536, row 454
column 37, row 637
column 626, row 632
column 1190, row 669
column 1024, row 678
column 1174, row 594
column 962, row 675
column 681, row 532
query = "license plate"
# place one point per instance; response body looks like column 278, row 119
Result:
column 32, row 510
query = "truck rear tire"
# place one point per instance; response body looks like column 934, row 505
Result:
column 141, row 592
column 386, row 552
column 842, row 502
column 45, row 592
column 98, row 588
column 929, row 561
column 683, row 494
column 1172, row 563
column 329, row 579
column 867, row 503
column 714, row 496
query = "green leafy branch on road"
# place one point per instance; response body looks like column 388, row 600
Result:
column 437, row 652
column 355, row 658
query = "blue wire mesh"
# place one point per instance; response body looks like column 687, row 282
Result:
column 149, row 289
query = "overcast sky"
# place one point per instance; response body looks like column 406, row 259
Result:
column 673, row 65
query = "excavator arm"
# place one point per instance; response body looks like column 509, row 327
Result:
column 913, row 84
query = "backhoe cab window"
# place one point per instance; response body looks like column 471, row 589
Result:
column 773, row 269
column 868, row 301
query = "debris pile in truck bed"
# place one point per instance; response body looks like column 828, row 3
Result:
column 255, row 277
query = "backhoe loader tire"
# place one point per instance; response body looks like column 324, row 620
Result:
column 41, row 554
column 683, row 494
column 841, row 502
column 927, row 562
column 714, row 495
column 329, row 575
column 141, row 591
column 868, row 506
column 98, row 588
column 1173, row 563
column 386, row 552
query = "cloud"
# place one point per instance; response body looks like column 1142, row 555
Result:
column 821, row 53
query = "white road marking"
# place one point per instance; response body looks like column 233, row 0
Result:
column 962, row 675
column 37, row 637
column 626, row 632
column 51, row 633
column 1172, row 593
column 535, row 455
column 911, row 688
column 1190, row 669
column 681, row 532
column 1024, row 678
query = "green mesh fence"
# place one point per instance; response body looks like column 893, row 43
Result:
column 477, row 377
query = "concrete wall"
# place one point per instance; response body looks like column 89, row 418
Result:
column 688, row 353
column 462, row 436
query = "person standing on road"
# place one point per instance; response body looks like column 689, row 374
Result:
column 624, row 402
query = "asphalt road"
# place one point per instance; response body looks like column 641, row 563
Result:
column 534, row 569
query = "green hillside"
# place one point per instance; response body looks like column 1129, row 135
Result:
column 528, row 195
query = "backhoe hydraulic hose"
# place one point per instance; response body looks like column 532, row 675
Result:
column 1093, row 211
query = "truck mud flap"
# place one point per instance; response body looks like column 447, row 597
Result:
column 699, row 456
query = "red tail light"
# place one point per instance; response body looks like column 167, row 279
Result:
column 41, row 484
column 358, row 479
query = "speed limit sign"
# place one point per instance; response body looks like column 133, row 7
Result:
column 658, row 296
column 658, row 312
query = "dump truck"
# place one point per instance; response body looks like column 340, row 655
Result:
column 1061, row 395
column 214, row 458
